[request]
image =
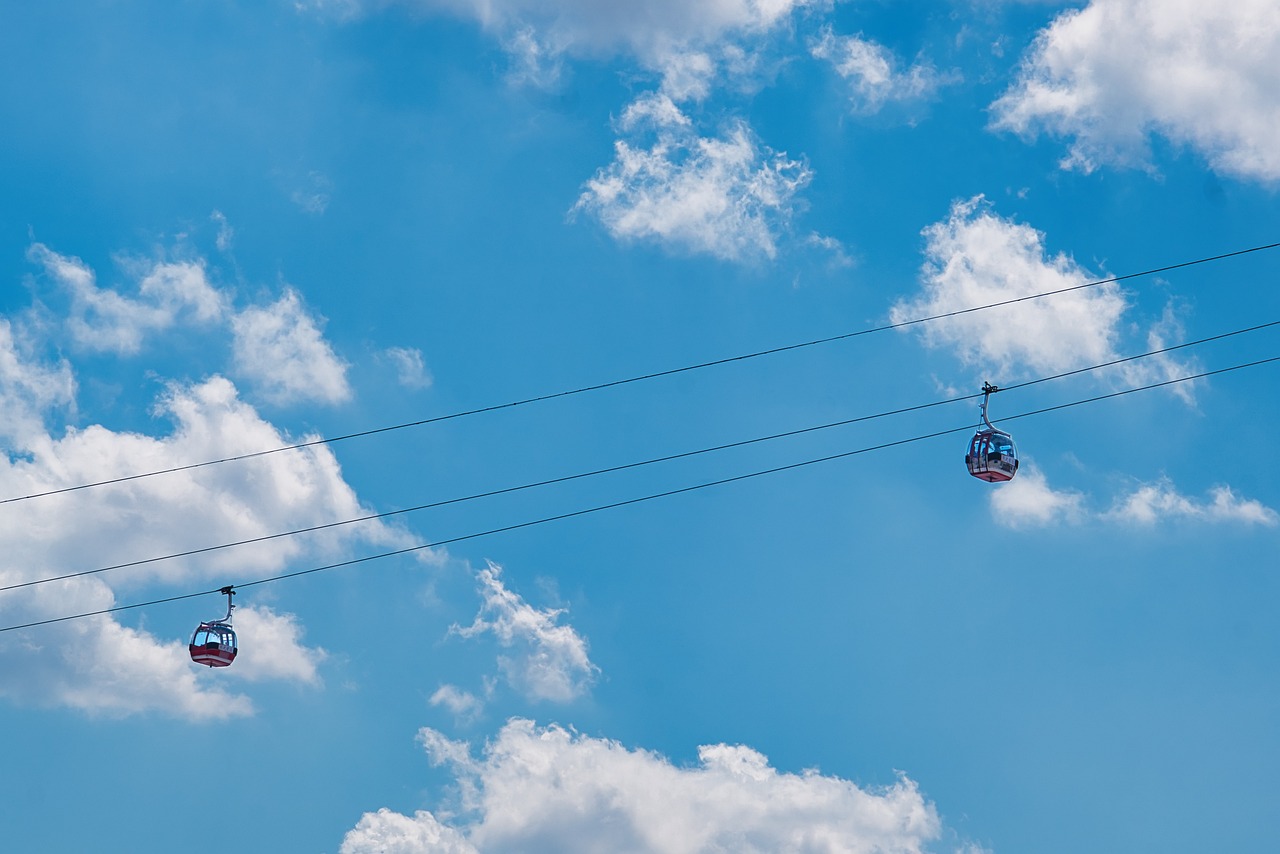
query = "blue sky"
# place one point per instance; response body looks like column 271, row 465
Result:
column 231, row 226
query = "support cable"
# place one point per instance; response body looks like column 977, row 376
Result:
column 639, row 378
column 630, row 501
column 623, row 467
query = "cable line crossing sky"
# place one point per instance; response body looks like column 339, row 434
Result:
column 658, row 374
column 233, row 230
column 625, row 466
column 615, row 505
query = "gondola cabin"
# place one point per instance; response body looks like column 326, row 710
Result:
column 992, row 456
column 213, row 644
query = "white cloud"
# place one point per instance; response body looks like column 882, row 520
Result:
column 98, row 664
column 727, row 196
column 552, row 661
column 411, row 371
column 225, row 232
column 100, row 667
column 387, row 832
column 646, row 30
column 687, row 75
column 550, row 790
column 687, row 44
column 280, row 350
column 1154, row 502
column 28, row 389
column 106, row 320
column 277, row 347
column 313, row 195
column 1113, row 73
column 271, row 647
column 655, row 110
column 871, row 71
column 830, row 245
column 1028, row 500
column 532, row 62
column 462, row 703
column 164, row 514
column 976, row 258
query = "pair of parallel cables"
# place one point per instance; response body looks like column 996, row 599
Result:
column 633, row 465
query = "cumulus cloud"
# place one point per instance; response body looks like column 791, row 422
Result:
column 411, row 371
column 98, row 664
column 1114, row 73
column 1154, row 502
column 271, row 647
column 546, row 789
column 106, row 320
column 387, row 832
column 103, row 668
column 1028, row 501
column 728, row 196
column 280, row 350
column 550, row 660
column 872, row 73
column 976, row 258
column 231, row 502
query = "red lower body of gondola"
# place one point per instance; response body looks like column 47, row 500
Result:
column 212, row 656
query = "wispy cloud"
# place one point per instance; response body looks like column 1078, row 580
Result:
column 872, row 72
column 463, row 704
column 226, row 234
column 411, row 370
column 642, row 30
column 103, row 319
column 312, row 193
column 550, row 660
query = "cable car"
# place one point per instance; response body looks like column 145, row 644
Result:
column 214, row 643
column 992, row 455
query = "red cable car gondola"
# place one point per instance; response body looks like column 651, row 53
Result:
column 214, row 643
column 992, row 455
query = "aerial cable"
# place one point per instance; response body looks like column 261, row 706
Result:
column 628, row 502
column 622, row 467
column 639, row 378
